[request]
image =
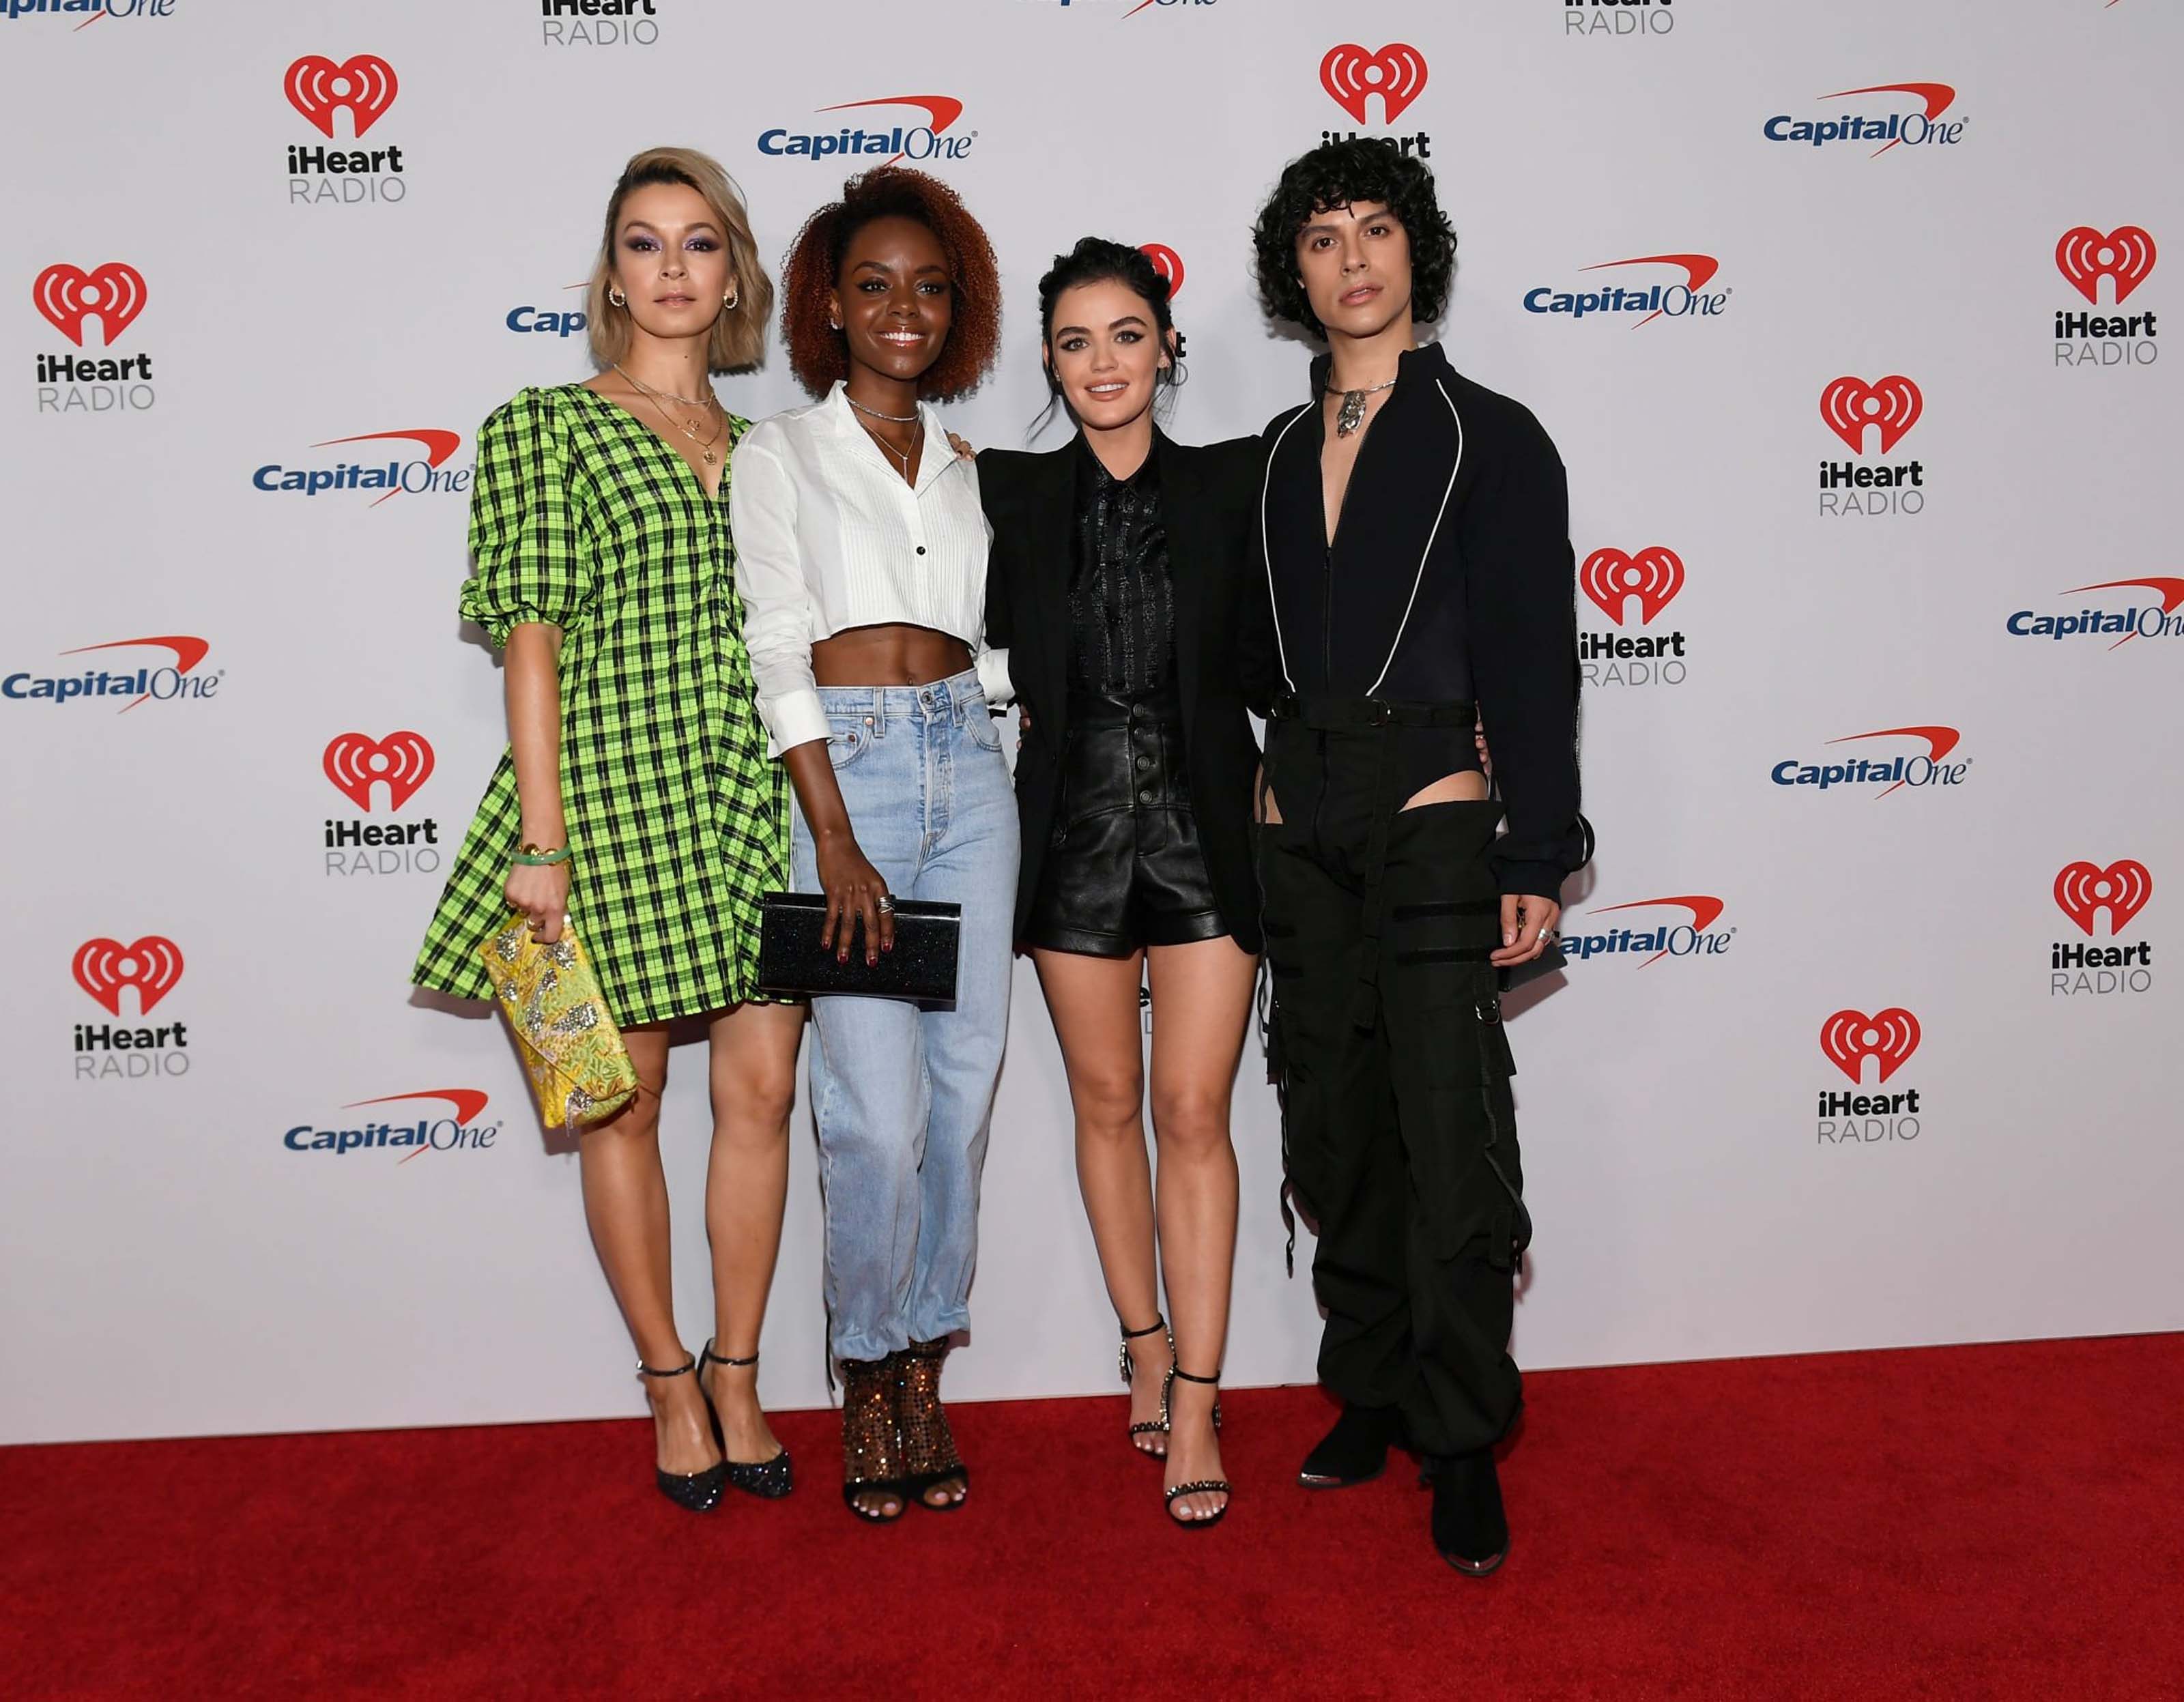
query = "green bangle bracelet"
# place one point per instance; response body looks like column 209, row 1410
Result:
column 532, row 857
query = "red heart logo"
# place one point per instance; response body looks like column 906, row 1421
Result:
column 1653, row 576
column 2085, row 257
column 1396, row 73
column 366, row 84
column 402, row 761
column 1893, row 403
column 2122, row 889
column 65, row 295
column 1167, row 263
column 1849, row 1038
column 153, row 966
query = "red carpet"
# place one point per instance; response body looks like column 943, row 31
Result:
column 1990, row 1522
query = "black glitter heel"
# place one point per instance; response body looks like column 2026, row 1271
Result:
column 767, row 1479
column 695, row 1491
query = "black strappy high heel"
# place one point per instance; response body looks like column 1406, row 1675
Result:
column 1201, row 1486
column 768, row 1479
column 1151, row 1426
column 872, row 1440
column 695, row 1491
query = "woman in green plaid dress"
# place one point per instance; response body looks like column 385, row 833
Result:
column 637, row 764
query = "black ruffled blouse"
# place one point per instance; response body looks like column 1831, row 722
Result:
column 1122, row 602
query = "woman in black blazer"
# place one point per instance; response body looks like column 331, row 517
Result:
column 1121, row 584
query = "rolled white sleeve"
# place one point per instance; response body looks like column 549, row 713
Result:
column 779, row 612
column 993, row 680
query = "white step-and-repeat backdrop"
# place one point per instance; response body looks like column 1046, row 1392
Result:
column 1849, row 320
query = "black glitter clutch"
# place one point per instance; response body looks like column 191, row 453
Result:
column 920, row 967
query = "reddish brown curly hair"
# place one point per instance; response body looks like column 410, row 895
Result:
column 817, row 352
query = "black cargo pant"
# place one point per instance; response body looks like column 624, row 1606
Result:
column 1398, row 1128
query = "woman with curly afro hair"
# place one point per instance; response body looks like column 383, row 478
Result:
column 863, row 548
column 1416, row 545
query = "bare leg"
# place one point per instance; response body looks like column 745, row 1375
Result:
column 1468, row 786
column 626, row 1205
column 754, row 1086
column 1094, row 1004
column 1202, row 1004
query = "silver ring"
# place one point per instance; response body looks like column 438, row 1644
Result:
column 887, row 903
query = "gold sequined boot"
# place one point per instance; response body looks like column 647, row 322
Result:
column 872, row 1439
column 929, row 1457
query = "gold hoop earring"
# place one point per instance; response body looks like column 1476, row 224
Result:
column 616, row 296
column 728, row 300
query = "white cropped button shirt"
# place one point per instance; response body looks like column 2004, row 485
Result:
column 828, row 537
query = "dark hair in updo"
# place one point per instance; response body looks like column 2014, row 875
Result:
column 1096, row 260
column 1342, row 174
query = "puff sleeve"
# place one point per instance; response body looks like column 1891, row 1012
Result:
column 528, row 562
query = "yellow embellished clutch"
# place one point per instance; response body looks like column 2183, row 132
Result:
column 579, row 1069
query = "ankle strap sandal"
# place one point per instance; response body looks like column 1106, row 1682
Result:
column 1151, row 1426
column 1201, row 1486
column 695, row 1491
column 767, row 1479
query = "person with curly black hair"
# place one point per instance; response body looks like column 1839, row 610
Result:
column 1414, row 530
column 864, row 579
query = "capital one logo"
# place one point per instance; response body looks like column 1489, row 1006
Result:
column 1695, row 936
column 1922, row 127
column 928, row 141
column 1891, row 405
column 2124, row 257
column 461, row 1132
column 1611, row 578
column 165, row 683
column 355, row 762
column 1928, row 768
column 2083, row 890
column 152, row 965
column 1686, row 298
column 68, row 295
column 1353, row 75
column 1889, row 1037
column 425, row 472
column 318, row 88
column 1167, row 263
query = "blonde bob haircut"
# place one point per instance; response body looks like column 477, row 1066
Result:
column 738, row 338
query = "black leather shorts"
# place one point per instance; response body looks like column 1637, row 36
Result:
column 1124, row 869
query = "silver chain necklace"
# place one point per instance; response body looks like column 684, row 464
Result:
column 892, row 418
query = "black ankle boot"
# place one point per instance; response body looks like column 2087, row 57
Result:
column 1356, row 1451
column 1470, row 1527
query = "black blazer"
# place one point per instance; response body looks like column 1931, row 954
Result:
column 1224, row 640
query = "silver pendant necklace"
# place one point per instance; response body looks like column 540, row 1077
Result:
column 1351, row 414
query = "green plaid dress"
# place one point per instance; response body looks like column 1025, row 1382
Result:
column 584, row 518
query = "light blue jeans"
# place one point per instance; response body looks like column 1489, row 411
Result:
column 903, row 1098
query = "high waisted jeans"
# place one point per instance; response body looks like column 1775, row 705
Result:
column 903, row 1097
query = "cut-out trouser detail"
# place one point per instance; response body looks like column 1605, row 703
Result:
column 1399, row 1133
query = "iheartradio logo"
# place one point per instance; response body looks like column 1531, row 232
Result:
column 1611, row 578
column 102, row 968
column 1849, row 1038
column 1353, row 75
column 2124, row 257
column 2082, row 890
column 68, row 295
column 355, row 762
column 1892, row 404
column 317, row 87
column 1167, row 263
